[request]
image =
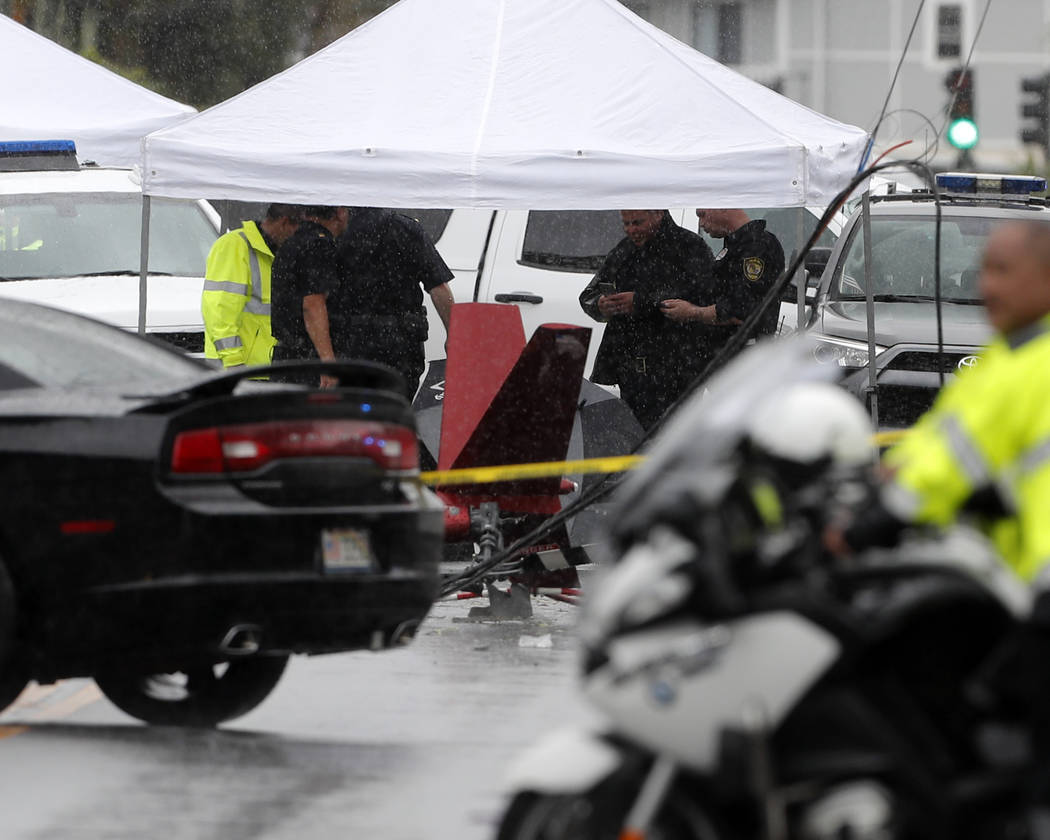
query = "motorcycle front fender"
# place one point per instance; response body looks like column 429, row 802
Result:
column 566, row 762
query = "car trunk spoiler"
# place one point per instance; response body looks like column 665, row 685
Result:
column 351, row 374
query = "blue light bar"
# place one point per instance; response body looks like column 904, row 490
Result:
column 971, row 183
column 38, row 147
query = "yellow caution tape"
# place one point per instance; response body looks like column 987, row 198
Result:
column 889, row 438
column 543, row 469
column 557, row 469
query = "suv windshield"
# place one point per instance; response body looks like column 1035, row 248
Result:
column 83, row 234
column 902, row 251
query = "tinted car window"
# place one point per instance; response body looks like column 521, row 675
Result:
column 58, row 350
column 76, row 234
column 571, row 240
column 902, row 257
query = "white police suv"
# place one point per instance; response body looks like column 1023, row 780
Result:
column 70, row 237
column 908, row 363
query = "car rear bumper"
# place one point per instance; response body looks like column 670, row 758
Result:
column 165, row 624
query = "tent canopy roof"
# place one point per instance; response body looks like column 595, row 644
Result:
column 51, row 93
column 507, row 103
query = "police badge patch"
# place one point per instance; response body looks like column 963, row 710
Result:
column 753, row 268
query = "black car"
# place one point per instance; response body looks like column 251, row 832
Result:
column 176, row 532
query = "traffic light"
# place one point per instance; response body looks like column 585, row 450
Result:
column 1036, row 111
column 962, row 126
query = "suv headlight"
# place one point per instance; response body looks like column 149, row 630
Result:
column 843, row 352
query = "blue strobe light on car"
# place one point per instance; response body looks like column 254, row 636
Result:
column 25, row 155
column 981, row 184
column 37, row 147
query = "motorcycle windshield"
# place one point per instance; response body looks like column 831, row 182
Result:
column 706, row 431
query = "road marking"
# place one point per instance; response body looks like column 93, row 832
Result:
column 84, row 696
column 33, row 694
column 44, row 703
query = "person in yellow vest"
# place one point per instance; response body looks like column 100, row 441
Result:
column 982, row 451
column 235, row 302
column 11, row 236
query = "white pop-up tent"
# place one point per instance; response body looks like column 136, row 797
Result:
column 561, row 104
column 50, row 93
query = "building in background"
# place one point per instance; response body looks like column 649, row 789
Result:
column 838, row 57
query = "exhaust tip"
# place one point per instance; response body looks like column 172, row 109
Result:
column 404, row 633
column 241, row 640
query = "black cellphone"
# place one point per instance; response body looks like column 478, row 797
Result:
column 605, row 289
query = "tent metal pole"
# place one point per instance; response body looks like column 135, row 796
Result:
column 800, row 276
column 143, row 263
column 869, row 299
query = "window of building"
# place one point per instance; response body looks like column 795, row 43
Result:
column 949, row 30
column 718, row 30
column 730, row 33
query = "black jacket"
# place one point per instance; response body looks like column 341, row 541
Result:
column 674, row 263
column 745, row 270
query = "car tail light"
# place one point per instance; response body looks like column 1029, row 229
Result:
column 247, row 447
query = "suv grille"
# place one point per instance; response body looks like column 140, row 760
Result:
column 188, row 342
column 901, row 407
column 921, row 360
column 909, row 382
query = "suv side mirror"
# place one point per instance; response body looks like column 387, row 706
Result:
column 816, row 261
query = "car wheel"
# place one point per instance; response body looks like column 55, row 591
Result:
column 205, row 695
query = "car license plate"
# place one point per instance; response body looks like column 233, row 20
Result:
column 346, row 550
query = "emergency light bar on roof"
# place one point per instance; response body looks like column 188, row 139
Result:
column 34, row 155
column 989, row 186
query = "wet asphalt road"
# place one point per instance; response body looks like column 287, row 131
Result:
column 400, row 745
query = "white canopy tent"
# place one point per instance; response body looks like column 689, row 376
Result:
column 50, row 93
column 559, row 104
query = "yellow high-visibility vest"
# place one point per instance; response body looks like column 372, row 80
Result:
column 235, row 302
column 989, row 428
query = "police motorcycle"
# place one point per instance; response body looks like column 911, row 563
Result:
column 750, row 685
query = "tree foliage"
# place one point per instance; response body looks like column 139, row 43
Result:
column 196, row 51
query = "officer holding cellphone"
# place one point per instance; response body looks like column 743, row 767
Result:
column 651, row 357
column 745, row 269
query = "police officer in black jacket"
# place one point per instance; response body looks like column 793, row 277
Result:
column 305, row 275
column 651, row 357
column 745, row 269
column 386, row 262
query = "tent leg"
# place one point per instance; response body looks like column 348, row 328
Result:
column 869, row 291
column 143, row 263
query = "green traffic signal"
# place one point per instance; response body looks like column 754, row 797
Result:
column 963, row 134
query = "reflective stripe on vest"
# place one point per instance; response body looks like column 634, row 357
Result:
column 1033, row 458
column 226, row 286
column 902, row 502
column 968, row 456
column 257, row 307
column 1030, row 461
column 228, row 343
column 972, row 462
column 253, row 261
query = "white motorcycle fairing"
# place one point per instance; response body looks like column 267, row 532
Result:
column 677, row 687
column 568, row 761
